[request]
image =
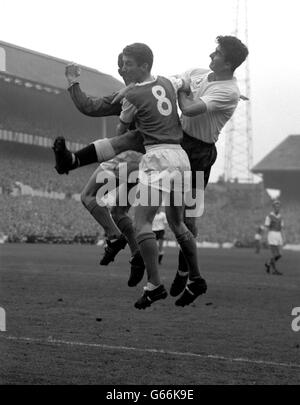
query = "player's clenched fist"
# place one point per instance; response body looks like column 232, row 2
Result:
column 186, row 85
column 72, row 73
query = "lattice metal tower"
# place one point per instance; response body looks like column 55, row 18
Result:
column 238, row 131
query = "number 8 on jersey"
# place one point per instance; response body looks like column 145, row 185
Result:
column 162, row 101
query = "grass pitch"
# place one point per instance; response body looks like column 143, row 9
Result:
column 70, row 321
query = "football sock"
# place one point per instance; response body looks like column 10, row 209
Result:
column 182, row 263
column 126, row 227
column 149, row 251
column 86, row 156
column 104, row 150
column 277, row 258
column 272, row 264
column 160, row 257
column 98, row 151
column 104, row 218
column 150, row 287
column 188, row 246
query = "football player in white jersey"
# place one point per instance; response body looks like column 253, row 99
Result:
column 212, row 102
column 274, row 224
column 158, row 227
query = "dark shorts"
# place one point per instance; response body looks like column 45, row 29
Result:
column 202, row 156
column 159, row 234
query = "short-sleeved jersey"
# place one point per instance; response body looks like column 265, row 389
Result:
column 274, row 222
column 153, row 107
column 221, row 98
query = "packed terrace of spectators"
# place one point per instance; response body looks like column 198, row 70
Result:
column 49, row 115
column 34, row 166
column 230, row 215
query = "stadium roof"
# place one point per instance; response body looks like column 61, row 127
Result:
column 285, row 157
column 49, row 71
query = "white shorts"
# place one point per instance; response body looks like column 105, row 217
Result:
column 165, row 167
column 118, row 188
column 275, row 238
column 130, row 157
column 257, row 236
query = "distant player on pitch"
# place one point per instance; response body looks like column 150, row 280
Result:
column 274, row 224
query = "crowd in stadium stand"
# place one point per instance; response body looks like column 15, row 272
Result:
column 33, row 166
column 232, row 212
column 48, row 114
column 26, row 218
column 226, row 219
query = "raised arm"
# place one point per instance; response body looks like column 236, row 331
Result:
column 90, row 106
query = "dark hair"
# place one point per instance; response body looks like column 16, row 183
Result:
column 120, row 60
column 141, row 53
column 235, row 51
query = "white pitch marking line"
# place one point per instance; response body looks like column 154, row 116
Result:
column 155, row 351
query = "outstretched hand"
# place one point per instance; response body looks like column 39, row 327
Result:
column 72, row 73
column 186, row 87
